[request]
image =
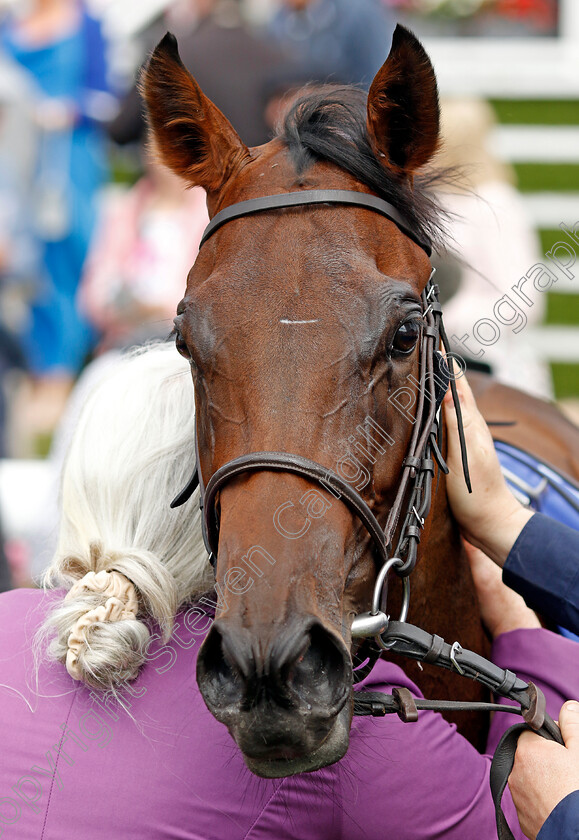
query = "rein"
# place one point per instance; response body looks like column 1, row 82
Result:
column 413, row 642
column 418, row 469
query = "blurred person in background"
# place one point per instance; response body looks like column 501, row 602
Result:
column 146, row 242
column 19, row 254
column 12, row 363
column 5, row 574
column 62, row 49
column 334, row 40
column 233, row 64
column 493, row 244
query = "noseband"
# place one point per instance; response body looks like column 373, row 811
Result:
column 423, row 450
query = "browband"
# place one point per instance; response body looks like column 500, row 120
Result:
column 301, row 197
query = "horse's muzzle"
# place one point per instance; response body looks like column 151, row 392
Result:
column 285, row 703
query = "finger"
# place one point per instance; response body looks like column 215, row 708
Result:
column 464, row 390
column 468, row 409
column 468, row 406
column 475, row 427
column 526, row 739
column 569, row 724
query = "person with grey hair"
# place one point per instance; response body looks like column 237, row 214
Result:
column 124, row 579
column 104, row 731
column 134, row 436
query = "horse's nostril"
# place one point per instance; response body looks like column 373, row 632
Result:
column 222, row 684
column 304, row 667
column 319, row 674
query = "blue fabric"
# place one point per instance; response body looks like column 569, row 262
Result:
column 543, row 489
column 563, row 821
column 538, row 485
column 68, row 67
column 543, row 566
column 569, row 634
column 58, row 338
column 96, row 70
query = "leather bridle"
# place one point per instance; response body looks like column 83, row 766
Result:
column 418, row 465
column 415, row 486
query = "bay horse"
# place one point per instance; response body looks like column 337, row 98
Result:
column 301, row 320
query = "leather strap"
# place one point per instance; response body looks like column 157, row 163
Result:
column 408, row 640
column 185, row 494
column 301, row 197
column 406, row 706
column 502, row 764
column 456, row 401
column 378, row 704
column 286, row 462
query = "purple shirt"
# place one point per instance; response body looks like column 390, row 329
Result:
column 74, row 765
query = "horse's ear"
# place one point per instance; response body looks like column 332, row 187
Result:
column 403, row 109
column 190, row 133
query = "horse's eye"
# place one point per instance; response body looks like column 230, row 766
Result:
column 406, row 337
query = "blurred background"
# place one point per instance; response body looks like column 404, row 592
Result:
column 96, row 239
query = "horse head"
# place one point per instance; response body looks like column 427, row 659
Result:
column 300, row 324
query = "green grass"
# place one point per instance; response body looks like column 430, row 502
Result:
column 562, row 309
column 537, row 111
column 565, row 379
column 548, row 238
column 550, row 177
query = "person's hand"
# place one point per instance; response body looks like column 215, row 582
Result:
column 490, row 517
column 502, row 610
column 544, row 772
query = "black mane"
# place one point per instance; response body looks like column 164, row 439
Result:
column 329, row 123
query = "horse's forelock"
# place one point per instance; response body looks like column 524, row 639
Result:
column 328, row 122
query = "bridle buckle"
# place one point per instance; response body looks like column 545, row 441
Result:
column 375, row 623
